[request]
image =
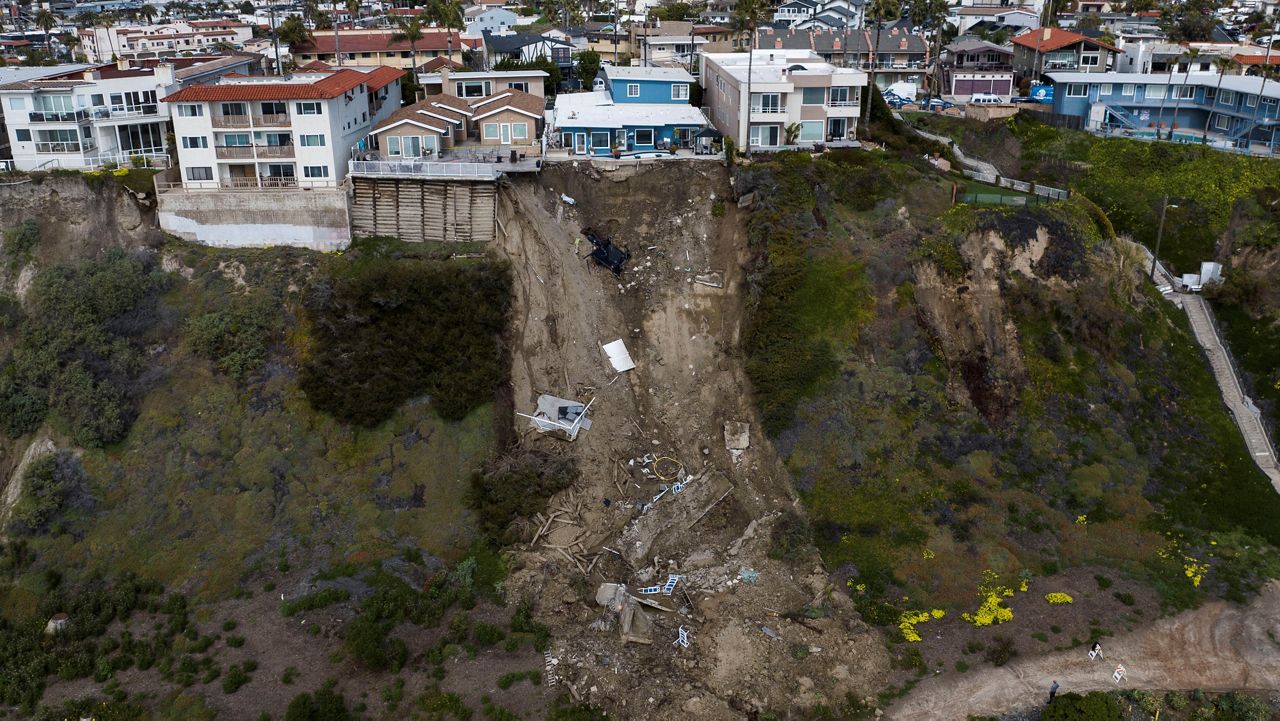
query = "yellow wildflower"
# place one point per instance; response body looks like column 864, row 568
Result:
column 1057, row 598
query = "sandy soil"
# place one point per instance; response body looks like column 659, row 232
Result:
column 688, row 382
column 1218, row 647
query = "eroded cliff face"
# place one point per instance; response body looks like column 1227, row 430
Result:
column 77, row 218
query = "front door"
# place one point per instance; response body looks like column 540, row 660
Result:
column 412, row 146
column 505, row 132
column 580, row 144
column 620, row 138
column 837, row 127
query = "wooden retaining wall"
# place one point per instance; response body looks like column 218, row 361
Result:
column 424, row 210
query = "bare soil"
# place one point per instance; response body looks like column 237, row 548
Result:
column 689, row 381
column 1218, row 647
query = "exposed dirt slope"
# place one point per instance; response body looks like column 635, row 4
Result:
column 688, row 382
column 1218, row 647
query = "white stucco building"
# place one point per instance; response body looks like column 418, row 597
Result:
column 293, row 131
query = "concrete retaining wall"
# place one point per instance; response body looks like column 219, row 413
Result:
column 983, row 113
column 315, row 218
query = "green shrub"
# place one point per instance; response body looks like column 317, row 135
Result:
column 522, row 622
column 517, row 485
column 235, row 641
column 1001, row 651
column 326, row 704
column 21, row 239
column 1103, row 582
column 48, row 487
column 289, row 676
column 1094, row 706
column 229, row 625
column 487, row 634
column 236, row 338
column 393, row 330
column 1125, row 598
column 235, row 678
column 312, row 601
column 962, row 666
column 791, row 537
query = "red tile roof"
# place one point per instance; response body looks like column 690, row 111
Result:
column 434, row 64
column 324, row 88
column 1057, row 38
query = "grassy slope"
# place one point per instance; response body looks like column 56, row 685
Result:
column 913, row 495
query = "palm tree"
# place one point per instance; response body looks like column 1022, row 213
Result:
column 293, row 32
column 747, row 16
column 46, row 21
column 353, row 7
column 410, row 29
column 1266, row 62
column 879, row 10
column 148, row 12
column 448, row 15
column 1192, row 55
column 106, row 21
column 1223, row 64
column 931, row 13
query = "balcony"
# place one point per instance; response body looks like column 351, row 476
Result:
column 234, row 152
column 274, row 151
column 70, row 116
column 58, row 148
column 271, row 121
column 230, row 121
column 125, row 112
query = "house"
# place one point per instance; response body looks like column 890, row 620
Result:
column 721, row 17
column 1231, row 111
column 902, row 57
column 101, row 45
column 497, row 20
column 525, row 48
column 376, row 48
column 281, row 131
column 672, row 50
column 969, row 19
column 507, row 120
column 1046, row 50
column 87, row 116
column 473, row 85
column 19, row 73
column 977, row 66
column 634, row 109
column 790, row 13
column 793, row 92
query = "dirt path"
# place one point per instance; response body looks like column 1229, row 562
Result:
column 689, row 381
column 1218, row 647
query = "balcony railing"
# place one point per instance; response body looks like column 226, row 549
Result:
column 842, row 103
column 69, row 116
column 768, row 111
column 64, row 147
column 231, row 121
column 116, row 112
column 423, row 169
column 263, row 182
column 273, row 121
column 234, row 152
column 274, row 151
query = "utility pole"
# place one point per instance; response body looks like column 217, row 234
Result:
column 275, row 39
column 1164, row 207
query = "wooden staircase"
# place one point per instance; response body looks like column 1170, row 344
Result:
column 419, row 210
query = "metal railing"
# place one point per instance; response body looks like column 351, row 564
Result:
column 1019, row 185
column 424, row 169
column 233, row 152
column 118, row 112
column 245, row 184
column 274, row 151
column 842, row 103
column 769, row 111
column 150, row 158
column 70, row 116
column 274, row 120
column 64, row 147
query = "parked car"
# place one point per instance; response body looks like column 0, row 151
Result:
column 936, row 104
column 985, row 99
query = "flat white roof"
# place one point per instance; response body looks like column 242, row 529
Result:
column 774, row 66
column 628, row 72
column 480, row 75
column 597, row 110
column 1248, row 84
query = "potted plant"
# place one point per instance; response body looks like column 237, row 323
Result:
column 613, row 149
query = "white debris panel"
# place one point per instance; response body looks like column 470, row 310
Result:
column 557, row 414
column 619, row 358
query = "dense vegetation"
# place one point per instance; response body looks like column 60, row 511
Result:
column 386, row 332
column 515, row 486
column 1103, row 442
column 79, row 352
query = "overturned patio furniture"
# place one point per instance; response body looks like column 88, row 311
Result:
column 606, row 253
column 557, row 415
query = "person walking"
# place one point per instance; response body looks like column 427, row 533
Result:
column 1053, row 690
column 1096, row 650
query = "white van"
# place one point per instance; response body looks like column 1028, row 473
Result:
column 985, row 99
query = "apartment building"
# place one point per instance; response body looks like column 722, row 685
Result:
column 976, row 66
column 902, row 56
column 102, row 45
column 295, row 131
column 372, row 48
column 793, row 92
column 1045, row 50
column 84, row 117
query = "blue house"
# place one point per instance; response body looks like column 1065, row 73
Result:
column 1232, row 111
column 631, row 110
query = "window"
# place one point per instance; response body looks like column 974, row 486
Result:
column 199, row 173
column 1155, row 92
column 96, row 100
column 520, row 131
column 522, row 87
column 811, row 131
column 1089, row 60
column 54, row 103
column 601, row 139
column 311, row 108
column 1126, row 89
column 1077, row 90
column 17, row 103
column 1222, row 122
column 235, row 140
column 1250, row 101
column 633, row 90
column 274, row 108
column 313, row 141
column 840, row 97
column 813, row 96
column 680, row 91
column 644, row 136
column 1184, row 92
column 393, row 145
column 197, row 141
column 234, row 109
column 472, row 88
column 22, row 134
column 766, row 103
column 1227, row 97
column 1105, row 89
column 490, row 131
column 315, row 171
column 186, row 110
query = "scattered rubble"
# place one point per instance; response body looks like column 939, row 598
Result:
column 557, row 415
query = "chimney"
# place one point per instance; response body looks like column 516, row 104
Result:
column 835, row 44
column 902, row 44
column 444, row 79
column 122, row 64
column 777, row 44
column 1048, row 34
